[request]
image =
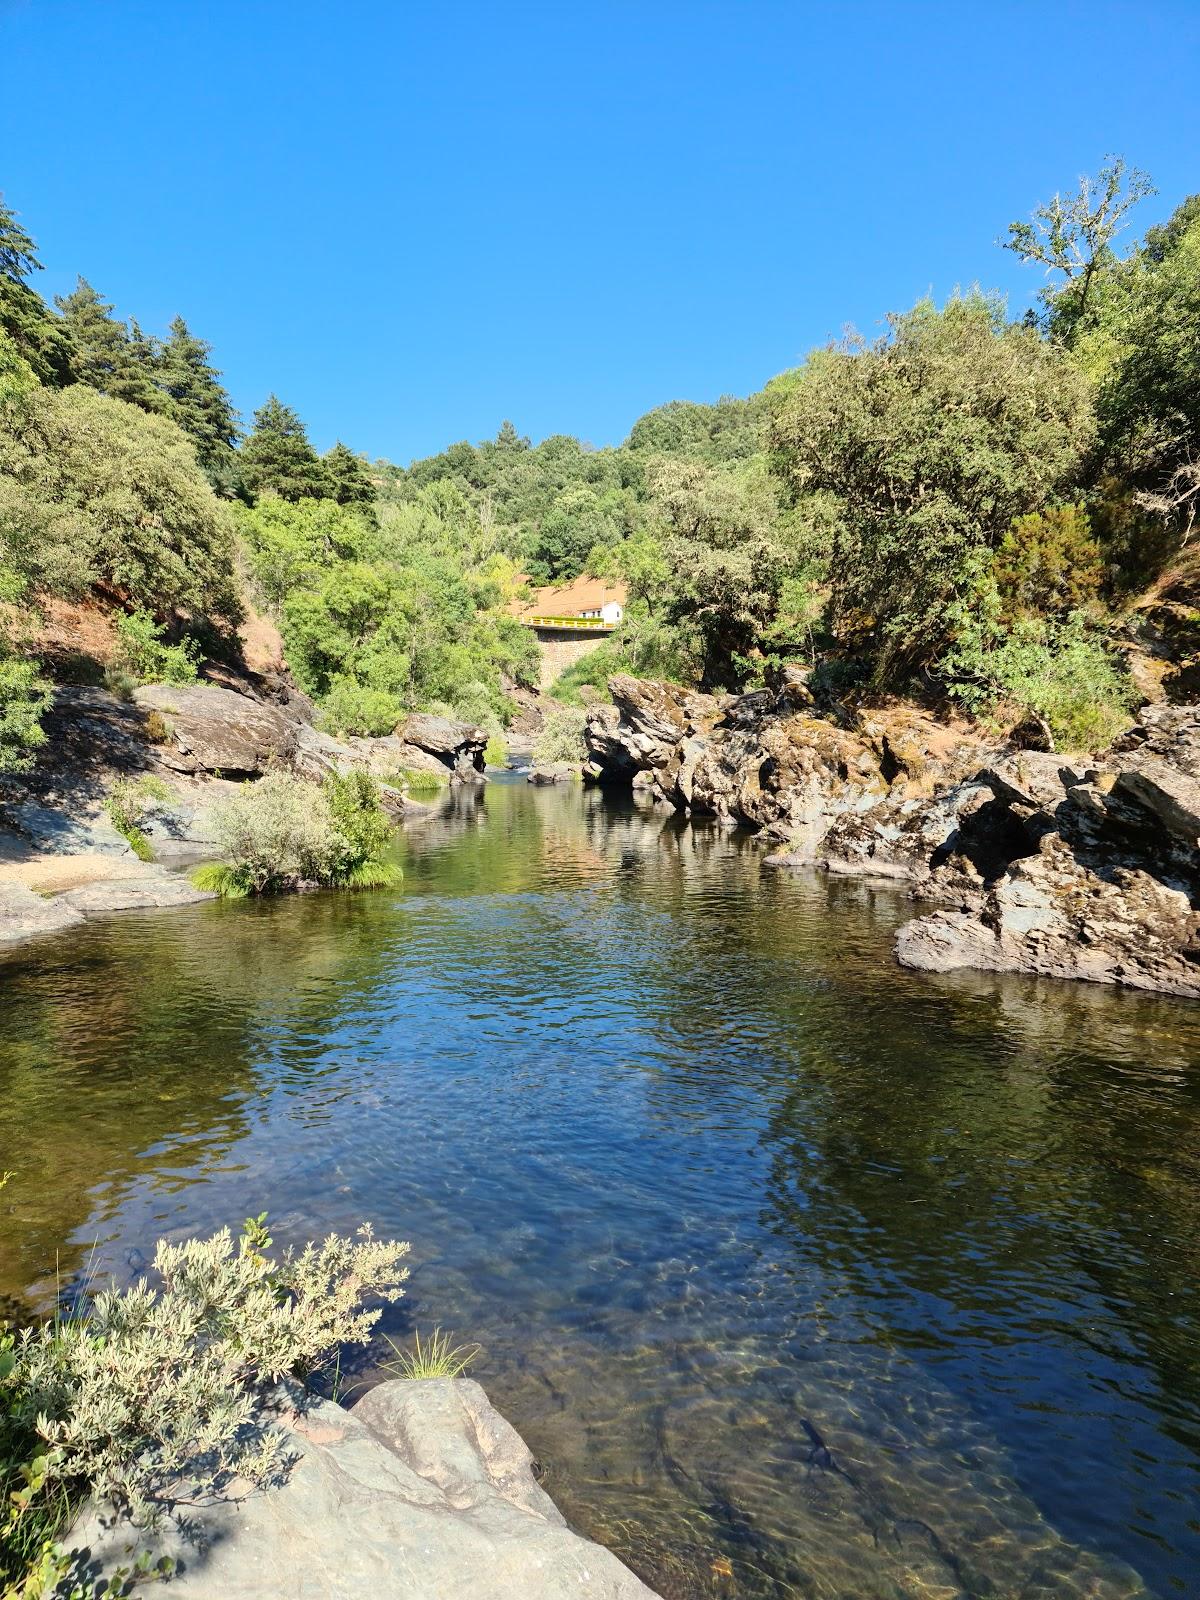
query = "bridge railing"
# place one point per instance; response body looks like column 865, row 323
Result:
column 585, row 624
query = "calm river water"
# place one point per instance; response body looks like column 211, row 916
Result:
column 802, row 1275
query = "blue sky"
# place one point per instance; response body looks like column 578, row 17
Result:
column 412, row 221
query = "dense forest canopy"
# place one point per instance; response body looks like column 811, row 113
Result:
column 963, row 506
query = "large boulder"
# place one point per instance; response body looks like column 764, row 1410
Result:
column 456, row 745
column 210, row 729
column 422, row 1492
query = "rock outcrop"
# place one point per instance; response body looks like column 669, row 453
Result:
column 1102, row 877
column 421, row 1492
column 1083, row 867
column 771, row 760
column 210, row 729
column 200, row 740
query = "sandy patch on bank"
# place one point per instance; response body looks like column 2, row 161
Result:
column 53, row 874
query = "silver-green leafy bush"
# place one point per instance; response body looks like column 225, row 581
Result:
column 561, row 738
column 157, row 1391
column 282, row 831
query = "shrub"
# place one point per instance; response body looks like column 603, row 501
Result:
column 1061, row 675
column 142, row 653
column 128, row 803
column 24, row 698
column 1048, row 564
column 419, row 780
column 279, row 832
column 359, row 818
column 496, row 754
column 353, row 708
column 561, row 738
column 166, row 1382
column 282, row 831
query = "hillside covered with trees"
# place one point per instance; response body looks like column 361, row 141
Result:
column 965, row 508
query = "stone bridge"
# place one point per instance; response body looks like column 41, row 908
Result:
column 564, row 641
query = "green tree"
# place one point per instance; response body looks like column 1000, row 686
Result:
column 105, row 355
column 347, row 476
column 1072, row 236
column 928, row 443
column 37, row 333
column 1140, row 346
column 277, row 457
column 291, row 543
column 575, row 523
column 1048, row 564
column 199, row 404
column 100, row 341
column 722, row 560
column 93, row 490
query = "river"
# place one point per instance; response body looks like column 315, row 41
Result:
column 801, row 1275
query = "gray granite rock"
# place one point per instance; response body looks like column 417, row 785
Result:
column 217, row 730
column 422, row 1492
column 65, row 833
column 547, row 772
column 157, row 888
column 25, row 915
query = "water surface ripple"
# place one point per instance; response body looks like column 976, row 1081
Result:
column 802, row 1275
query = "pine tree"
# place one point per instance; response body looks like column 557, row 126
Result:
column 509, row 439
column 99, row 339
column 277, row 457
column 24, row 316
column 144, row 353
column 198, row 402
column 347, row 477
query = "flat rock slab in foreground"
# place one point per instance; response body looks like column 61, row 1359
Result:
column 423, row 1492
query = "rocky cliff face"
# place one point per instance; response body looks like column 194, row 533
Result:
column 1081, row 867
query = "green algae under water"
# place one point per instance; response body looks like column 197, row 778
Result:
column 802, row 1275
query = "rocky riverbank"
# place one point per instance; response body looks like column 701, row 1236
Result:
column 422, row 1490
column 61, row 858
column 1071, row 867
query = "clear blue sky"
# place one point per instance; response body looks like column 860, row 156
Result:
column 411, row 221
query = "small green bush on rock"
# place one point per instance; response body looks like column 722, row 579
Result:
column 561, row 738
column 143, row 655
column 128, row 803
column 282, row 831
column 1059, row 675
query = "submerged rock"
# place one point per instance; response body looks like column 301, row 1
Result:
column 422, row 1492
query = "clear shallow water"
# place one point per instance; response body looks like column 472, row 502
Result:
column 802, row 1275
